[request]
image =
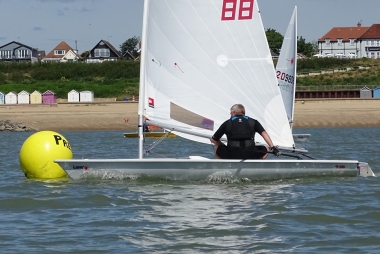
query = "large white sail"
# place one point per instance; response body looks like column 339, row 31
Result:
column 286, row 68
column 201, row 57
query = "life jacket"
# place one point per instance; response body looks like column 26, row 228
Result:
column 240, row 128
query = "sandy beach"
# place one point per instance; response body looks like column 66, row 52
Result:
column 114, row 116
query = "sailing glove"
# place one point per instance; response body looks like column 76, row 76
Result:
column 275, row 151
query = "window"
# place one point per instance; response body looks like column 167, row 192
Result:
column 102, row 53
column 59, row 52
column 327, row 41
column 372, row 43
column 352, row 42
column 6, row 54
column 340, row 42
column 22, row 53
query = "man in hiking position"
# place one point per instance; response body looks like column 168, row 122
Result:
column 240, row 131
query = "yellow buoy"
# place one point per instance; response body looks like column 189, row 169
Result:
column 38, row 153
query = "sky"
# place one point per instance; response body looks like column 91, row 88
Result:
column 43, row 24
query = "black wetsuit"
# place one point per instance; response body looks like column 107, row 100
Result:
column 240, row 132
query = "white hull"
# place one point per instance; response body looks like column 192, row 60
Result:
column 199, row 169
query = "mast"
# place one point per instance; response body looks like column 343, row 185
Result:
column 295, row 65
column 142, row 78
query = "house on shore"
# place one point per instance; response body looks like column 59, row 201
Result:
column 351, row 42
column 62, row 53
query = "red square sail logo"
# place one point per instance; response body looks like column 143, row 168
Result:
column 151, row 102
column 244, row 8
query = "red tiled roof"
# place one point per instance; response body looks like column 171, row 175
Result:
column 372, row 33
column 344, row 33
column 62, row 46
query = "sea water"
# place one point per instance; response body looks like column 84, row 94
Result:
column 151, row 215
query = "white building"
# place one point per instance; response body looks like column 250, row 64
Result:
column 86, row 96
column 11, row 98
column 73, row 96
column 23, row 97
column 351, row 42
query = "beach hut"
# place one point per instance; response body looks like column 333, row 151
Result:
column 86, row 96
column 36, row 97
column 376, row 92
column 11, row 98
column 23, row 97
column 73, row 96
column 49, row 97
column 2, row 98
column 365, row 93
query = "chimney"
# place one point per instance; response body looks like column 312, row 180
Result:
column 359, row 24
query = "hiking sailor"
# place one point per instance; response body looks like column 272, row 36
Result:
column 240, row 131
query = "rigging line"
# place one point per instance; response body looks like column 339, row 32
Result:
column 154, row 144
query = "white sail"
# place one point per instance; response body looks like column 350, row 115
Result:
column 286, row 68
column 203, row 56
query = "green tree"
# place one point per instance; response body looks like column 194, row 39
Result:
column 275, row 40
column 85, row 54
column 131, row 45
column 304, row 48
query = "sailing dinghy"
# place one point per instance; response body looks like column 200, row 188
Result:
column 198, row 58
column 286, row 72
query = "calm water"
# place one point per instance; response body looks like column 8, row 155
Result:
column 148, row 215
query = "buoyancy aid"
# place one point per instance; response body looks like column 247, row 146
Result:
column 240, row 131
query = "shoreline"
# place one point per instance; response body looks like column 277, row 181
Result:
column 309, row 113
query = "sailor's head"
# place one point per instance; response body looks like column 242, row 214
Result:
column 237, row 109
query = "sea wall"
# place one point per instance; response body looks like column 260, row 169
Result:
column 8, row 126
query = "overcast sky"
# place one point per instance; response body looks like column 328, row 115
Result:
column 43, row 24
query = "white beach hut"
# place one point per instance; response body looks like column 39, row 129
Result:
column 365, row 93
column 2, row 98
column 23, row 97
column 73, row 96
column 11, row 98
column 86, row 96
column 36, row 97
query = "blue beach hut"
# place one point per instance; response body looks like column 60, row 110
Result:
column 376, row 92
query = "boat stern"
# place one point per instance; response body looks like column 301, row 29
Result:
column 365, row 170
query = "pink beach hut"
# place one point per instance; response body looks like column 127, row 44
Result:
column 49, row 97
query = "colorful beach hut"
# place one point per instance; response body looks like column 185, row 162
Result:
column 49, row 97
column 23, row 97
column 11, row 98
column 2, row 98
column 86, row 96
column 36, row 97
column 73, row 96
column 365, row 93
column 376, row 92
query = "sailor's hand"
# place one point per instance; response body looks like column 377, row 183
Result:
column 275, row 151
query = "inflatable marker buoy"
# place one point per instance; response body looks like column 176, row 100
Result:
column 38, row 153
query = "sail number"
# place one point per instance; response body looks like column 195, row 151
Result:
column 285, row 77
